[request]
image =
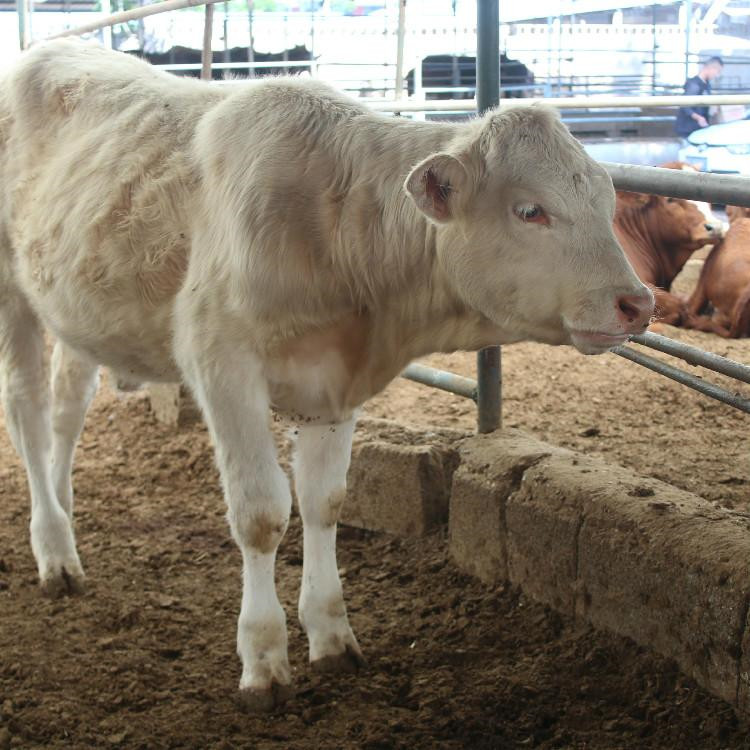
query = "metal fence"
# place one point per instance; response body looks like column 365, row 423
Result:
column 467, row 387
column 486, row 390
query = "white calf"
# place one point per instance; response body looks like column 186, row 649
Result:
column 273, row 244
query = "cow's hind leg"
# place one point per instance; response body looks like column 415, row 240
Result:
column 232, row 394
column 74, row 383
column 321, row 461
column 25, row 397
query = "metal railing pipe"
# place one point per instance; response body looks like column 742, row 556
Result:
column 685, row 378
column 694, row 356
column 238, row 65
column 571, row 102
column 697, row 186
column 441, row 379
column 132, row 15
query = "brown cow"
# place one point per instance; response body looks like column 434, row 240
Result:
column 737, row 212
column 659, row 235
column 703, row 207
column 725, row 279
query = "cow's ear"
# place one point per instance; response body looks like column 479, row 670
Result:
column 437, row 186
column 634, row 200
column 737, row 212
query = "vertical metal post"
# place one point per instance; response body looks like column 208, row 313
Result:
column 207, row 54
column 225, row 31
column 548, row 83
column 107, row 30
column 488, row 96
column 313, row 66
column 251, row 46
column 400, row 48
column 653, row 50
column 688, row 24
column 24, row 31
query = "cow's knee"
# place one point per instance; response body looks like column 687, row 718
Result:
column 259, row 530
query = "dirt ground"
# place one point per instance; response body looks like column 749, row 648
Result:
column 145, row 659
column 609, row 407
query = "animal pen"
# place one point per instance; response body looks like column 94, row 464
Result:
column 486, row 389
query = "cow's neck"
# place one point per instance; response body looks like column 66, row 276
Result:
column 673, row 259
column 406, row 286
column 653, row 260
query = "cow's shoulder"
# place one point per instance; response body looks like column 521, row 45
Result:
column 55, row 79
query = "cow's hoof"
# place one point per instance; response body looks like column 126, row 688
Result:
column 63, row 584
column 265, row 700
column 351, row 660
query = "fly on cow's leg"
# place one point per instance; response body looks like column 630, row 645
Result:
column 25, row 396
column 234, row 401
column 321, row 461
column 74, row 383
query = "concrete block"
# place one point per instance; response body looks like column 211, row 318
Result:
column 399, row 479
column 173, row 404
column 490, row 471
column 631, row 555
column 543, row 519
column 670, row 571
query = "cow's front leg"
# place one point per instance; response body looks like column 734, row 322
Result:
column 231, row 392
column 320, row 464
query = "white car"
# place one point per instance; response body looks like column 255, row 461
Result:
column 723, row 148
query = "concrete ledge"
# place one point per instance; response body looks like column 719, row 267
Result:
column 400, row 478
column 632, row 555
column 486, row 477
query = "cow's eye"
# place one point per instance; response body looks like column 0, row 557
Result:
column 532, row 213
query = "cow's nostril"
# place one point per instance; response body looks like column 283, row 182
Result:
column 628, row 310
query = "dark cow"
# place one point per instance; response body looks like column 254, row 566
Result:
column 444, row 71
column 184, row 55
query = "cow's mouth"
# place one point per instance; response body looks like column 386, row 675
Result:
column 596, row 342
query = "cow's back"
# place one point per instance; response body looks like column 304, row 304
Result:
column 97, row 189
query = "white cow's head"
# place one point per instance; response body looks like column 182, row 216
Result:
column 524, row 221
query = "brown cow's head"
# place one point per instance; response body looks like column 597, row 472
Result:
column 675, row 225
column 703, row 207
column 524, row 233
column 737, row 212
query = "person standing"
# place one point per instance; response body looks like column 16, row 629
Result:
column 694, row 118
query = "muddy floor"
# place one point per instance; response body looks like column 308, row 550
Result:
column 609, row 407
column 145, row 659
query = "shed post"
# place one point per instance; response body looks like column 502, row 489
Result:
column 107, row 31
column 401, row 39
column 24, row 29
column 207, row 54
